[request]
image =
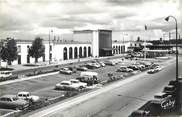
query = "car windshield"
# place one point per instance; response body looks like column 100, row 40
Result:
column 15, row 98
column 65, row 83
column 74, row 81
column 6, row 73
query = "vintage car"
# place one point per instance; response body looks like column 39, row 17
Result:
column 160, row 97
column 77, row 83
column 154, row 70
column 68, row 85
column 65, row 71
column 27, row 96
column 13, row 102
column 140, row 113
column 81, row 68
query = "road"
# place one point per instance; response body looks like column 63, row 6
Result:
column 116, row 100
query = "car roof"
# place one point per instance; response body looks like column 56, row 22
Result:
column 160, row 94
column 170, row 86
column 65, row 81
column 23, row 92
column 8, row 96
column 5, row 71
column 73, row 80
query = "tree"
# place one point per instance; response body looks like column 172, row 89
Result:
column 1, row 46
column 9, row 51
column 37, row 49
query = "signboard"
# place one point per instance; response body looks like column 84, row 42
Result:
column 168, row 103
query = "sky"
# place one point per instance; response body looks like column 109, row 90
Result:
column 26, row 19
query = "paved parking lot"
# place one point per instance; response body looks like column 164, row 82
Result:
column 44, row 86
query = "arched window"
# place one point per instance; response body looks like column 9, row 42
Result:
column 65, row 57
column 75, row 52
column 89, row 51
column 85, row 52
column 70, row 53
column 80, row 52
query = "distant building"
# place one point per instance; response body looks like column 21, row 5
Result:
column 83, row 44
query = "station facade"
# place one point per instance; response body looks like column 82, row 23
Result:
column 85, row 43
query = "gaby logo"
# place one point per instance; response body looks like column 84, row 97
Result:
column 167, row 104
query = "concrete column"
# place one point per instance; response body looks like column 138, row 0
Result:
column 179, row 96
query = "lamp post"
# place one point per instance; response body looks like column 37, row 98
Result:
column 167, row 19
column 49, row 45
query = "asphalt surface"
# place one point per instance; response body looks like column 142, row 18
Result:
column 119, row 101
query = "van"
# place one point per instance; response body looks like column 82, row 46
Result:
column 89, row 77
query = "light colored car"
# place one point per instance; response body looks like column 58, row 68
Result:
column 5, row 74
column 124, row 69
column 154, row 70
column 107, row 62
column 65, row 71
column 94, row 65
column 157, row 68
column 13, row 102
column 82, row 68
column 27, row 96
column 77, row 83
column 68, row 85
column 102, row 64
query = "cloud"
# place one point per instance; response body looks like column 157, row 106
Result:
column 37, row 16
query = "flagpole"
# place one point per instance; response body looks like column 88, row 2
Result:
column 145, row 44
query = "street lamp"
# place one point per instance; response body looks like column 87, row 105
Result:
column 49, row 45
column 167, row 19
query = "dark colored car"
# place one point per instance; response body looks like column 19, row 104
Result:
column 134, row 67
column 173, row 82
column 13, row 102
column 139, row 113
column 88, row 80
column 170, row 89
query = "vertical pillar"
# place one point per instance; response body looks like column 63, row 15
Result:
column 179, row 96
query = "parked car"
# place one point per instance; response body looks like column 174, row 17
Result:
column 170, row 89
column 79, row 84
column 173, row 82
column 160, row 97
column 158, row 68
column 124, row 69
column 108, row 62
column 89, row 77
column 65, row 71
column 134, row 67
column 68, row 85
column 73, row 69
column 153, row 65
column 27, row 96
column 81, row 68
column 12, row 102
column 102, row 64
column 154, row 70
column 92, row 65
column 5, row 74
column 89, row 80
column 140, row 113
